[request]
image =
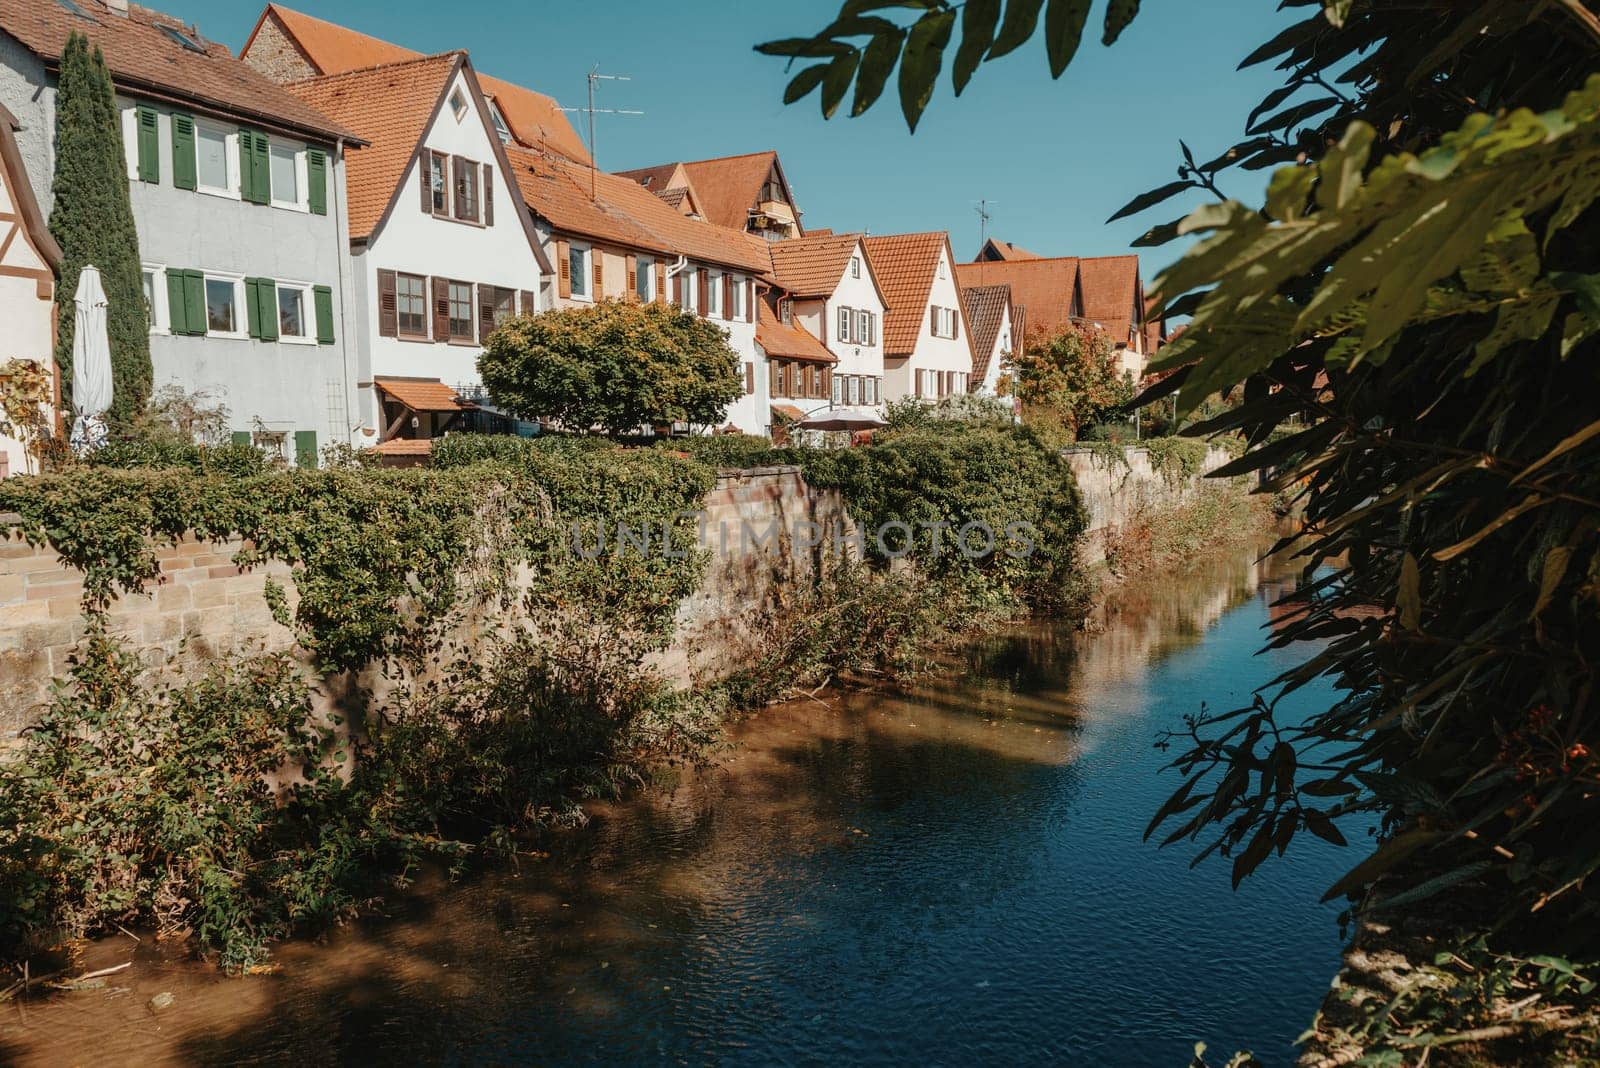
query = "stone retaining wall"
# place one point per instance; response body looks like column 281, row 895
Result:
column 1115, row 493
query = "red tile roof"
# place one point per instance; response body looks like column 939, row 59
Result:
column 725, row 188
column 626, row 213
column 404, row 447
column 986, row 308
column 1043, row 288
column 1111, row 291
column 424, row 394
column 905, row 266
column 813, row 266
column 144, row 59
column 390, row 107
column 995, row 249
column 535, row 119
column 788, row 341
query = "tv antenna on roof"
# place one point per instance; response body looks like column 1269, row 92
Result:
column 984, row 215
column 595, row 77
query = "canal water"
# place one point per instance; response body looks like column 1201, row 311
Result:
column 952, row 876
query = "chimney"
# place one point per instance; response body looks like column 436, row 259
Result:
column 117, row 7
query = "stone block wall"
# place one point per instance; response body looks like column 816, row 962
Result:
column 1115, row 493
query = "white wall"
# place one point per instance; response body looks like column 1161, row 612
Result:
column 25, row 315
column 859, row 294
column 1000, row 356
column 415, row 242
column 933, row 353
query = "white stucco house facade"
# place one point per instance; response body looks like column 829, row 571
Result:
column 443, row 248
column 992, row 321
column 832, row 292
column 927, row 342
column 237, row 195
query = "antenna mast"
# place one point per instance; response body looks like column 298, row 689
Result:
column 983, row 222
column 595, row 77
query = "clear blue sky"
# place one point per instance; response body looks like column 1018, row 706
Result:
column 1054, row 158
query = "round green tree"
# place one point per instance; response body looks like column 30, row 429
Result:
column 616, row 366
column 92, row 219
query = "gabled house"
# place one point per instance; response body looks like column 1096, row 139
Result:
column 289, row 46
column 611, row 238
column 1045, row 296
column 996, row 251
column 927, row 348
column 746, row 192
column 237, row 193
column 993, row 324
column 29, row 258
column 444, row 250
column 800, row 369
column 829, row 290
column 1102, row 292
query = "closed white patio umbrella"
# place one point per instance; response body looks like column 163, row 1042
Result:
column 91, row 363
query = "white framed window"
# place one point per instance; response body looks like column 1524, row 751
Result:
column 844, row 324
column 288, row 163
column 500, row 128
column 714, row 294
column 737, row 291
column 461, row 312
column 942, row 274
column 870, row 391
column 216, row 152
column 295, row 313
column 578, row 269
column 864, row 328
column 458, row 103
column 838, row 389
column 855, row 266
column 130, row 140
column 157, row 310
column 855, row 389
column 644, row 282
column 225, row 307
column 411, row 305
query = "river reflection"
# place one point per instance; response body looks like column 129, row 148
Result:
column 949, row 876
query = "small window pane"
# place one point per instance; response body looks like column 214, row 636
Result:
column 578, row 266
column 646, row 277
column 460, row 311
column 285, row 175
column 505, row 305
column 150, row 297
column 411, row 305
column 211, row 152
column 220, row 310
column 291, row 312
column 436, row 180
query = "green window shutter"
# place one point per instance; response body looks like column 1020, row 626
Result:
column 252, row 305
column 194, row 299
column 305, row 448
column 177, row 309
column 323, row 296
column 241, row 437
column 267, row 297
column 149, row 145
column 184, row 167
column 317, row 178
column 255, row 167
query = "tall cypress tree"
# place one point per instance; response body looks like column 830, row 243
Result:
column 93, row 221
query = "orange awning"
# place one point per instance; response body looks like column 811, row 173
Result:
column 424, row 394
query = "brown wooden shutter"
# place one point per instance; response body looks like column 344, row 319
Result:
column 677, row 289
column 774, row 385
column 530, row 303
column 563, row 269
column 425, row 165
column 441, row 309
column 749, row 300
column 749, row 378
column 727, row 296
column 633, row 279
column 955, row 325
column 704, row 278
column 457, row 167
column 933, row 319
column 388, row 316
column 485, row 311
column 917, row 375
column 599, row 274
column 488, row 194
column 661, row 282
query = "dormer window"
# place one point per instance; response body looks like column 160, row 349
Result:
column 499, row 121
column 458, row 103
column 182, row 38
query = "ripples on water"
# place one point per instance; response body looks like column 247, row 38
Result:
column 952, row 876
